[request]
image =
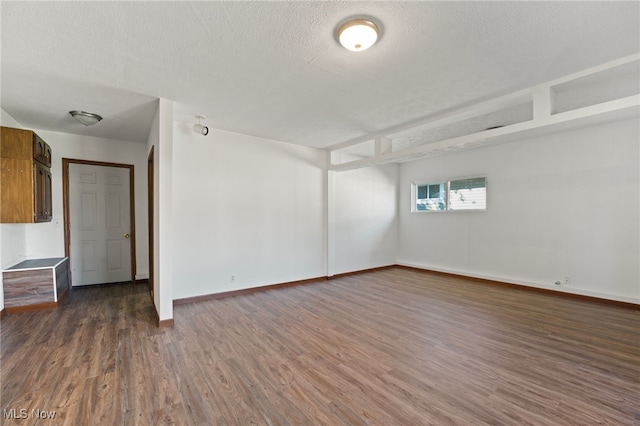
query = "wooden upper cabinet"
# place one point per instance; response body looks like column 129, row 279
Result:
column 25, row 181
column 41, row 151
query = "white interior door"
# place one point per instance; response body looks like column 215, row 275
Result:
column 99, row 224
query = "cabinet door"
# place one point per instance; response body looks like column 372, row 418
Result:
column 47, row 155
column 42, row 193
column 41, row 151
column 38, row 192
column 47, row 196
column 16, row 190
column 38, row 148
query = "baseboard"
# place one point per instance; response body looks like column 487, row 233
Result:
column 27, row 308
column 165, row 323
column 476, row 279
column 142, row 281
column 162, row 323
column 250, row 290
column 103, row 284
column 558, row 293
column 362, row 271
column 244, row 291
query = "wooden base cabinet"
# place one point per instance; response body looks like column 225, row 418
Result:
column 35, row 284
column 25, row 181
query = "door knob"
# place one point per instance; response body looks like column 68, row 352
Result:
column 126, row 235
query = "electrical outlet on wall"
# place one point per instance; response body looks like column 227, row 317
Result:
column 567, row 281
column 232, row 278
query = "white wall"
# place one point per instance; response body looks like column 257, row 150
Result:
column 230, row 204
column 560, row 205
column 244, row 206
column 363, row 226
column 166, row 226
column 153, row 140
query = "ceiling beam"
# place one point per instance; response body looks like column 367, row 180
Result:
column 616, row 109
column 542, row 98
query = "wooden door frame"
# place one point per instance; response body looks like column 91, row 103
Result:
column 65, row 203
column 151, row 212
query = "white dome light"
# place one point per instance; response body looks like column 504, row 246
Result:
column 86, row 118
column 358, row 35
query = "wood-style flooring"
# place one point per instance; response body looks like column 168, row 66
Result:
column 391, row 347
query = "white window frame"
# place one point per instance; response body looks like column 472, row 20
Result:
column 414, row 194
column 447, row 185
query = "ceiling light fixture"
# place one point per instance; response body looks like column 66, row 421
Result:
column 199, row 128
column 86, row 118
column 358, row 34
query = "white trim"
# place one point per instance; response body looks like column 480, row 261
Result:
column 447, row 182
column 37, row 268
column 55, row 285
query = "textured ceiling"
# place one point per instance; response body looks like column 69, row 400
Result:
column 274, row 69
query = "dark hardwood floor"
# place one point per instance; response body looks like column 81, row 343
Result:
column 391, row 347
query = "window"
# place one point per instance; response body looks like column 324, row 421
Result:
column 431, row 196
column 468, row 194
column 458, row 194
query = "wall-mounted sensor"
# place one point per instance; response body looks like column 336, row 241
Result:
column 199, row 128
